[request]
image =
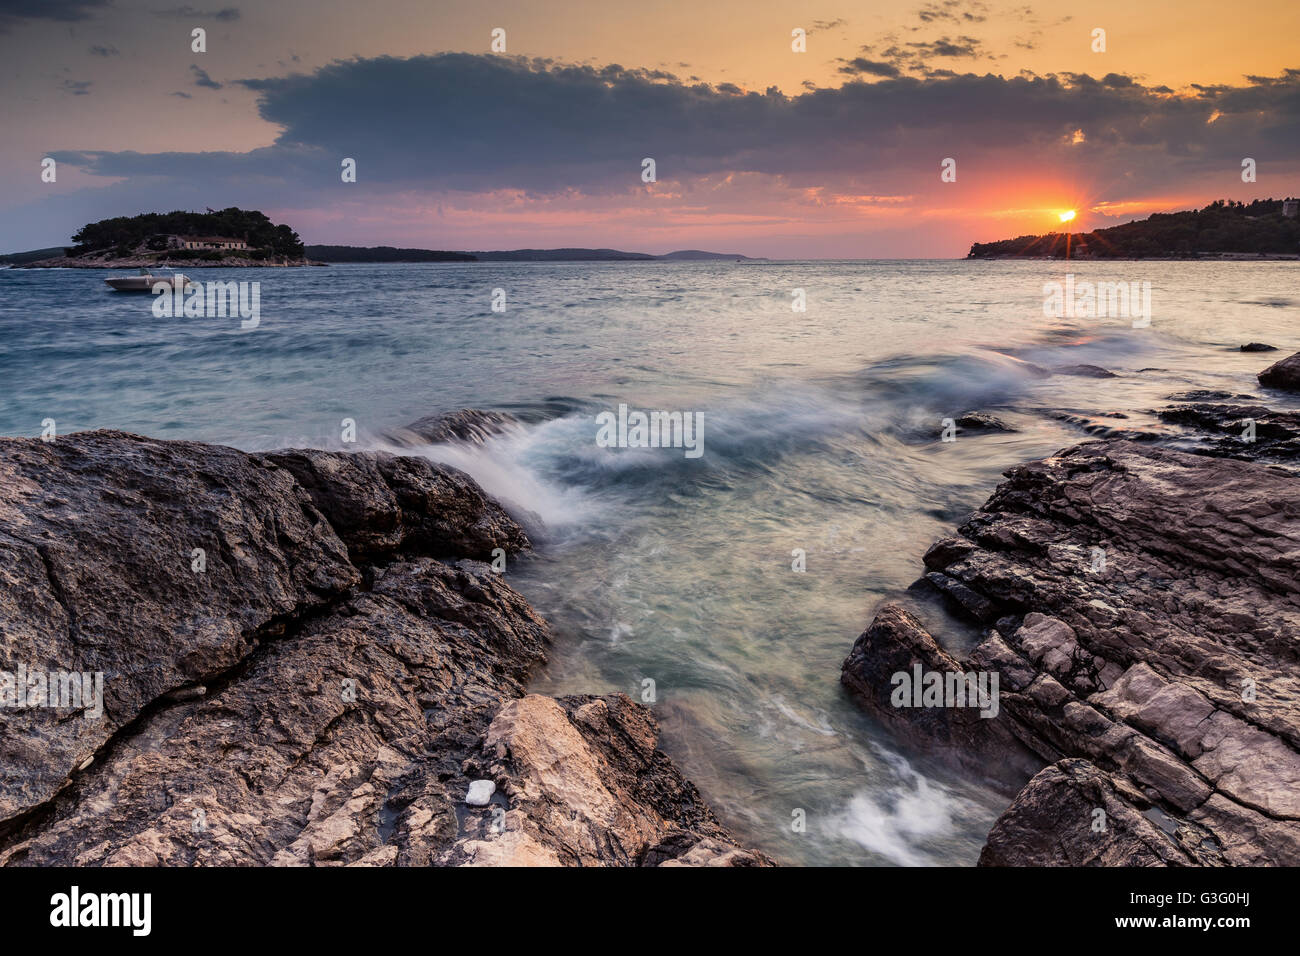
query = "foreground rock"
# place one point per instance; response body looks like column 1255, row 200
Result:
column 305, row 660
column 983, row 422
column 1141, row 608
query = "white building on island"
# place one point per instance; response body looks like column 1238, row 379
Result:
column 206, row 242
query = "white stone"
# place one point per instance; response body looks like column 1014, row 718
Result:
column 480, row 792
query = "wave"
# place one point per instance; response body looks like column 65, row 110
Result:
column 547, row 466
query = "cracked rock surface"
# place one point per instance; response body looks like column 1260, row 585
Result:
column 322, row 692
column 1141, row 606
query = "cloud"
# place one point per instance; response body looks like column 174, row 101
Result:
column 962, row 46
column 511, row 134
column 13, row 12
column 77, row 87
column 949, row 10
column 108, row 50
column 226, row 14
column 819, row 26
column 912, row 56
column 478, row 121
column 863, row 66
column 202, row 79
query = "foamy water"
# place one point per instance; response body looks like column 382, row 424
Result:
column 820, row 434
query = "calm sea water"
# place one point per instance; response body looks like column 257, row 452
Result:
column 820, row 433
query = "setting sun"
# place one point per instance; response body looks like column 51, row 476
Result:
column 1067, row 215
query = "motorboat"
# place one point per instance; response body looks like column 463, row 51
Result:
column 144, row 282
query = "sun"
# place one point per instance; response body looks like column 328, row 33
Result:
column 1067, row 215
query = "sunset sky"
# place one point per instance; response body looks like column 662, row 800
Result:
column 833, row 152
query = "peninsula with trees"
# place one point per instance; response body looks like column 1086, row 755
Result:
column 229, row 238
column 1225, row 229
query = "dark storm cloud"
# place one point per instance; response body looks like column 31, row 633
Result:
column 461, row 121
column 12, row 12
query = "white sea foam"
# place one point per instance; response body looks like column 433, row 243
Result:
column 509, row 467
column 893, row 823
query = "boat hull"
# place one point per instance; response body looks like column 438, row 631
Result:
column 144, row 283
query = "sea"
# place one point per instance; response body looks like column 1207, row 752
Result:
column 725, row 588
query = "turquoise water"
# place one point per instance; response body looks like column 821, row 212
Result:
column 819, row 434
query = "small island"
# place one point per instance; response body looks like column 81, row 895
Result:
column 231, row 238
column 1265, row 228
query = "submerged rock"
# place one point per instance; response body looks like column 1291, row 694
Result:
column 471, row 425
column 1085, row 371
column 1210, row 395
column 1253, row 431
column 1105, row 425
column 983, row 422
column 268, row 701
column 1258, row 347
column 1146, row 605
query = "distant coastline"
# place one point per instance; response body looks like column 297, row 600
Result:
column 322, row 255
column 237, row 238
column 567, row 254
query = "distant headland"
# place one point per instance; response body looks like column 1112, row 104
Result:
column 1265, row 228
column 246, row 237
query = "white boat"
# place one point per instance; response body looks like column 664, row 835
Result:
column 145, row 282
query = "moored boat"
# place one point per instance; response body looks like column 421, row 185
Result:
column 144, row 282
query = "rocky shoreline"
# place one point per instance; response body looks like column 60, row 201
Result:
column 314, row 658
column 1140, row 605
column 307, row 658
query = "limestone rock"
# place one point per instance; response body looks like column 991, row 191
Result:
column 1145, row 605
column 283, row 705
